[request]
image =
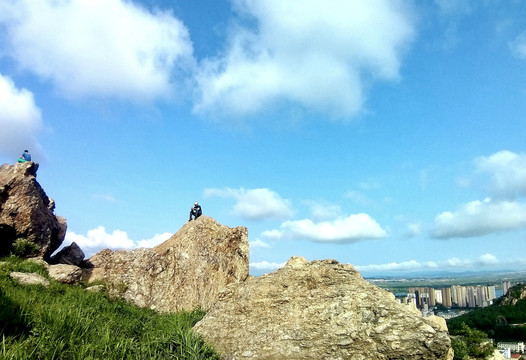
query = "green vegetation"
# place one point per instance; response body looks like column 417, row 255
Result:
column 470, row 343
column 68, row 322
column 499, row 322
column 24, row 248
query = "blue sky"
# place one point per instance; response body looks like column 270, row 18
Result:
column 385, row 134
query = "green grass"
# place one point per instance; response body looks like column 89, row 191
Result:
column 67, row 322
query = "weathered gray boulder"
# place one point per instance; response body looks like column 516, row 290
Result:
column 69, row 255
column 186, row 271
column 67, row 274
column 319, row 310
column 29, row 278
column 26, row 211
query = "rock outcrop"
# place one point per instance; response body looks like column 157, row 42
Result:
column 26, row 211
column 69, row 255
column 186, row 271
column 514, row 295
column 319, row 310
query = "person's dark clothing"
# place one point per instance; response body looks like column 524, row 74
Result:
column 195, row 212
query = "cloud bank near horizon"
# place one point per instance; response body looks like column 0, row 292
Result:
column 487, row 261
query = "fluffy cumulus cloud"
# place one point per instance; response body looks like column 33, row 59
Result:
column 311, row 53
column 20, row 118
column 258, row 243
column 98, row 239
column 255, row 204
column 265, row 266
column 96, row 47
column 349, row 229
column 479, row 218
column 507, row 173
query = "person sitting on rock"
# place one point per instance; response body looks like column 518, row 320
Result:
column 195, row 211
column 26, row 156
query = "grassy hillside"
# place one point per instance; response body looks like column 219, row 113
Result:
column 68, row 322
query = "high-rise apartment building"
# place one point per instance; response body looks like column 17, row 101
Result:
column 506, row 285
column 446, row 297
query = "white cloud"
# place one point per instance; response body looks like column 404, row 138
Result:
column 272, row 234
column 98, row 239
column 487, row 260
column 266, row 266
column 20, row 119
column 507, row 172
column 314, row 54
column 349, row 229
column 479, row 218
column 97, row 47
column 255, row 204
column 258, row 243
column 155, row 240
column 402, row 266
column 455, row 262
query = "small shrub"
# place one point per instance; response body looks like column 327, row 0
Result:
column 24, row 248
column 460, row 348
column 471, row 343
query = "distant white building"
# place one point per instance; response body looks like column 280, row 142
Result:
column 438, row 296
column 505, row 287
column 516, row 347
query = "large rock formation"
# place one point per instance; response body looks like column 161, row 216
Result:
column 186, row 271
column 26, row 211
column 319, row 310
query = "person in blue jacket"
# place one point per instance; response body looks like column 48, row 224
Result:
column 26, row 156
column 195, row 211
